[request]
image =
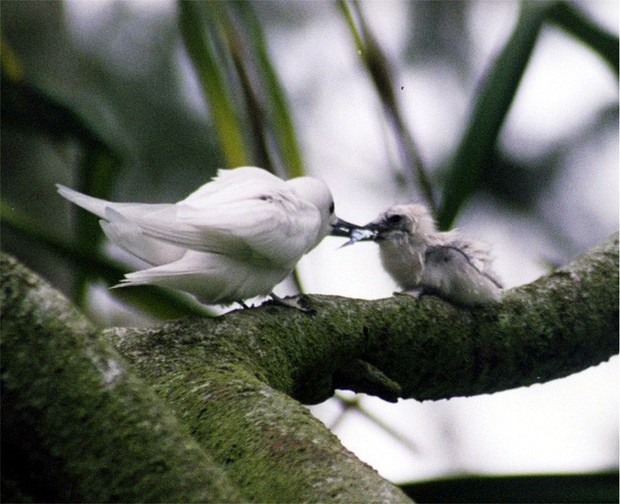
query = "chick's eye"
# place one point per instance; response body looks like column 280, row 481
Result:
column 394, row 219
column 332, row 208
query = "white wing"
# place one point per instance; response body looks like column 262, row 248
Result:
column 99, row 206
column 128, row 235
column 213, row 278
column 246, row 213
column 264, row 228
column 122, row 230
column 229, row 184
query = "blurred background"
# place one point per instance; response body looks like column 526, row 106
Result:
column 501, row 116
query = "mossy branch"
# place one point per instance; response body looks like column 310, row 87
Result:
column 561, row 324
column 77, row 426
column 230, row 380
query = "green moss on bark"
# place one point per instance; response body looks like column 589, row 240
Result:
column 231, row 382
column 77, row 426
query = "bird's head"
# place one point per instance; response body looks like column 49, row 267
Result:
column 412, row 221
column 318, row 194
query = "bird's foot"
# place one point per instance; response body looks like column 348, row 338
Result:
column 243, row 305
column 414, row 293
column 294, row 302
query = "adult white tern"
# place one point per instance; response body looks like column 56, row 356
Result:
column 423, row 260
column 234, row 238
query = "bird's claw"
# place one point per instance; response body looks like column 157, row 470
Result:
column 294, row 302
column 414, row 293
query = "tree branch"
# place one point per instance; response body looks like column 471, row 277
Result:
column 227, row 375
column 559, row 325
column 77, row 426
column 229, row 379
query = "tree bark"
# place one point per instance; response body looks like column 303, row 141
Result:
column 232, row 380
column 77, row 425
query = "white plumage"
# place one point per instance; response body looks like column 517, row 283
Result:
column 235, row 237
column 421, row 259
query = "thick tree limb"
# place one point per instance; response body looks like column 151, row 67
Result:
column 76, row 425
column 559, row 325
column 229, row 378
column 224, row 373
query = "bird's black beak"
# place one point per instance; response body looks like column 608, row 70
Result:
column 354, row 232
column 374, row 231
column 374, row 226
column 343, row 228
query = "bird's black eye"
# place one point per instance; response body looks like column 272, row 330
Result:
column 394, row 220
column 332, row 208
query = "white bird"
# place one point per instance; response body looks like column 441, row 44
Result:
column 423, row 260
column 234, row 238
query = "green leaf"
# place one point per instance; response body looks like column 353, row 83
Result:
column 279, row 115
column 473, row 156
column 31, row 108
column 571, row 19
column 492, row 104
column 211, row 76
column 28, row 107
